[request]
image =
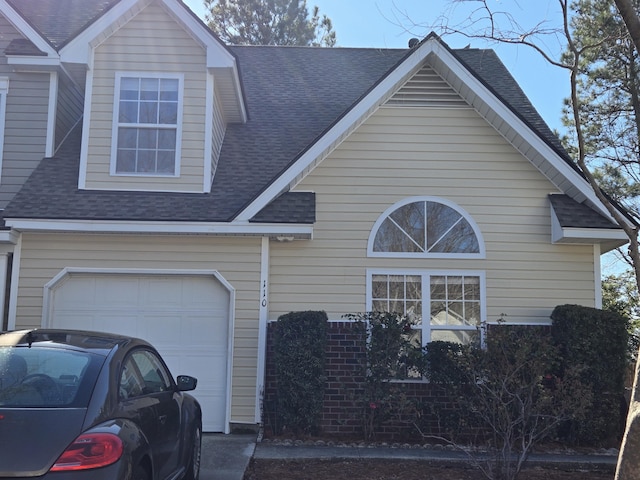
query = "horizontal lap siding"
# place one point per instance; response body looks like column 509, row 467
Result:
column 451, row 154
column 25, row 129
column 237, row 260
column 151, row 42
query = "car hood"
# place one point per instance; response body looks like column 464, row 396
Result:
column 32, row 439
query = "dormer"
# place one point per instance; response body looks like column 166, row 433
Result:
column 160, row 91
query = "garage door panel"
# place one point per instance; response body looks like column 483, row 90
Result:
column 184, row 317
column 198, row 295
column 79, row 296
column 163, row 292
column 110, row 294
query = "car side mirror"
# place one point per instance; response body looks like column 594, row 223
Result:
column 186, row 383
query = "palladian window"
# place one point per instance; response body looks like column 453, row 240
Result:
column 441, row 305
column 427, row 228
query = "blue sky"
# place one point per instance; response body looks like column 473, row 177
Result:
column 391, row 23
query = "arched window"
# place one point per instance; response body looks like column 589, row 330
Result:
column 425, row 227
column 442, row 305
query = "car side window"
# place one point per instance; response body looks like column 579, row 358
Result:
column 143, row 373
column 131, row 384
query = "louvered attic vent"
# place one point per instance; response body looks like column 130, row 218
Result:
column 427, row 89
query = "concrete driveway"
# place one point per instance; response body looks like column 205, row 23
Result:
column 225, row 457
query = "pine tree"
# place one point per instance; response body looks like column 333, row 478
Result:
column 269, row 22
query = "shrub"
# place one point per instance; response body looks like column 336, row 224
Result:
column 390, row 354
column 506, row 395
column 299, row 349
column 596, row 341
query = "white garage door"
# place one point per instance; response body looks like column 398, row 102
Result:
column 186, row 317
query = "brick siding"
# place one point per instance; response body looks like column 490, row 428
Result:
column 344, row 407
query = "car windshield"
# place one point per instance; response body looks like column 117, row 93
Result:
column 44, row 377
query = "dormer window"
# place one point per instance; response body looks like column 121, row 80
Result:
column 147, row 125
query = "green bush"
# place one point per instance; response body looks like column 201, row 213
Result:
column 391, row 353
column 443, row 362
column 299, row 350
column 596, row 342
column 504, row 397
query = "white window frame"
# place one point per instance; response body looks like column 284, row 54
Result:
column 4, row 91
column 374, row 231
column 116, row 124
column 426, row 276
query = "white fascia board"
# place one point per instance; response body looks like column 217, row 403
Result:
column 588, row 235
column 79, row 48
column 51, row 117
column 238, row 91
column 186, row 228
column 352, row 117
column 209, row 98
column 27, row 30
column 42, row 62
column 9, row 236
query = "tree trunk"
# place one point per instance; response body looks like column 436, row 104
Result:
column 631, row 20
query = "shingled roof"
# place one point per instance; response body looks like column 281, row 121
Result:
column 293, row 96
column 60, row 20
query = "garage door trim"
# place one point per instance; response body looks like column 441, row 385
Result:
column 68, row 272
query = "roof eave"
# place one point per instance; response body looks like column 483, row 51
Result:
column 608, row 239
column 37, row 62
column 297, row 231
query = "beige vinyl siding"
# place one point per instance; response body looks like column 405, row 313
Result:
column 448, row 153
column 237, row 260
column 25, row 129
column 151, row 42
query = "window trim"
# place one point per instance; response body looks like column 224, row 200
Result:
column 4, row 93
column 465, row 215
column 425, row 275
column 116, row 124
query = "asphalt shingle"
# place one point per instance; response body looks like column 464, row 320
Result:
column 60, row 20
column 572, row 214
column 293, row 96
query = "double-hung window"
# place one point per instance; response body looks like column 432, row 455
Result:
column 147, row 124
column 441, row 306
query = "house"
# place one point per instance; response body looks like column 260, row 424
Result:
column 159, row 183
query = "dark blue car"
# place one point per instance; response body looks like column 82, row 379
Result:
column 80, row 405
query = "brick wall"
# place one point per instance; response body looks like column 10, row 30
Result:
column 344, row 405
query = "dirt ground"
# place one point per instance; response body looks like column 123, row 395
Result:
column 260, row 469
